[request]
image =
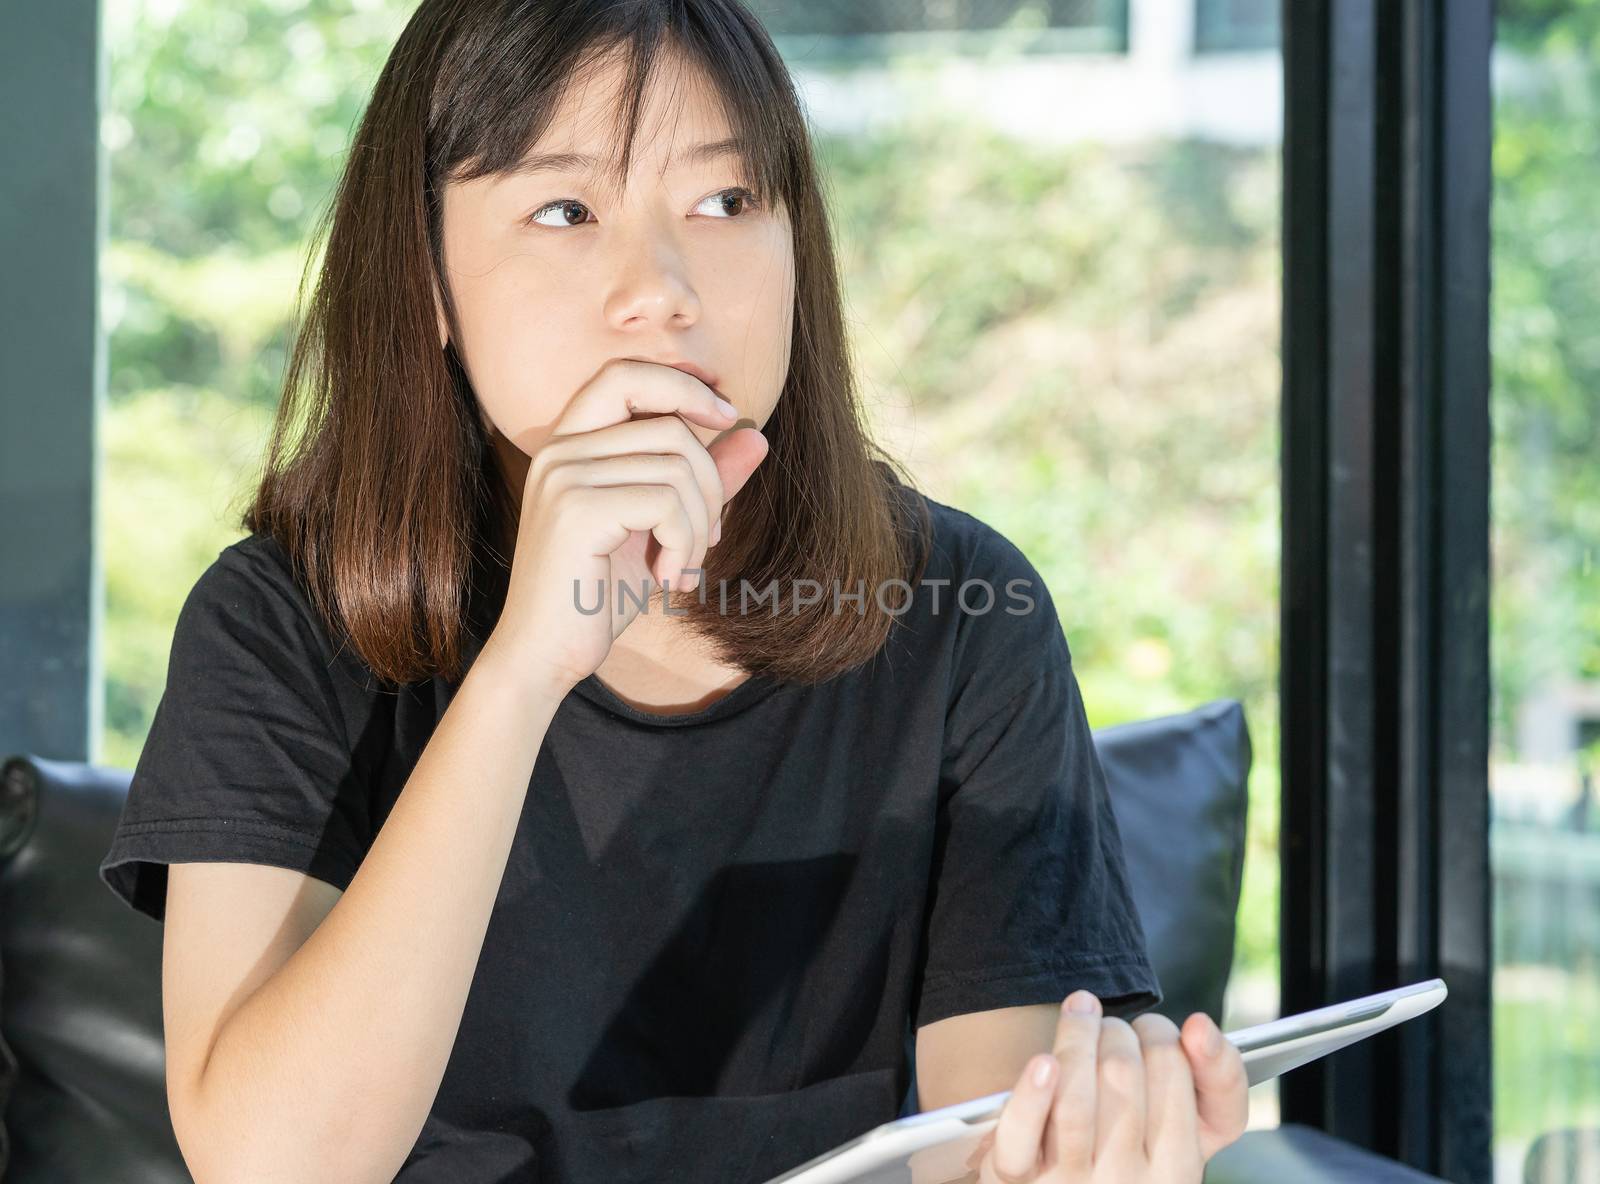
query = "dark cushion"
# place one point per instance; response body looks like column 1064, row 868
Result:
column 1179, row 790
column 82, row 1006
column 1305, row 1155
column 16, row 823
column 82, row 1002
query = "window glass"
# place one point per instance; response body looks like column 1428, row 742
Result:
column 1545, row 755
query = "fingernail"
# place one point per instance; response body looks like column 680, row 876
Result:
column 1081, row 1003
column 716, row 532
column 1043, row 1070
column 1213, row 1038
column 727, row 407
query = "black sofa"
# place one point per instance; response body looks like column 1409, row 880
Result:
column 81, row 1055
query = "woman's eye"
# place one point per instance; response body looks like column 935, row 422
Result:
column 561, row 208
column 742, row 199
column 746, row 200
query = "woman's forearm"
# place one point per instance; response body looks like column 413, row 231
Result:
column 329, row 1069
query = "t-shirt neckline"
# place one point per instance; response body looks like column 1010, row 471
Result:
column 756, row 687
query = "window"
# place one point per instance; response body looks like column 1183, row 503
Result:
column 1545, row 755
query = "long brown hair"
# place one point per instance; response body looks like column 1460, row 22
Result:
column 382, row 482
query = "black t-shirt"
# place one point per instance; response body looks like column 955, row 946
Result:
column 716, row 932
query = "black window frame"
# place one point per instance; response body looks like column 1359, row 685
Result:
column 1385, row 690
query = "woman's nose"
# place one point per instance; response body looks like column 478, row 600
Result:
column 653, row 289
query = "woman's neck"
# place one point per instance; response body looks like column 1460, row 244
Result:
column 657, row 665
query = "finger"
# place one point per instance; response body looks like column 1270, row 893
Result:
column 1222, row 1091
column 975, row 1159
column 1069, row 1140
column 651, row 468
column 1171, row 1140
column 722, row 467
column 660, row 435
column 654, row 509
column 1019, row 1135
column 676, row 436
column 737, row 455
column 653, row 434
column 624, row 386
column 1120, row 1109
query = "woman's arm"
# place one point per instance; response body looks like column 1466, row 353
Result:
column 962, row 1057
column 326, row 1069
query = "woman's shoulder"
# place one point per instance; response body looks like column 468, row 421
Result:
column 965, row 547
column 986, row 599
column 252, row 595
column 251, row 575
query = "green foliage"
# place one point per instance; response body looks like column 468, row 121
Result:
column 220, row 319
column 251, row 105
column 1546, row 536
column 1093, row 374
column 1546, row 1050
column 1549, row 27
column 175, row 458
column 1546, row 356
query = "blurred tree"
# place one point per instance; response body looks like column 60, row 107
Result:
column 1546, row 351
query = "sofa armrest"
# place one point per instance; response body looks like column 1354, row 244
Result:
column 1307, row 1156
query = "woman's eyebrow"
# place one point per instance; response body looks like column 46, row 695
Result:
column 568, row 162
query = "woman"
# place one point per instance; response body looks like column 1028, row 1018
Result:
column 476, row 865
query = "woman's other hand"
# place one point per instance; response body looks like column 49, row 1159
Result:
column 1120, row 1103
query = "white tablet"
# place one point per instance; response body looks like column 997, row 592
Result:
column 935, row 1147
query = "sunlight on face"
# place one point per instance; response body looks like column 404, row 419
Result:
column 553, row 276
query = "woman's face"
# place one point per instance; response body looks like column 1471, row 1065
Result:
column 553, row 276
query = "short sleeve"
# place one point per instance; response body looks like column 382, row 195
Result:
column 1029, row 892
column 247, row 758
